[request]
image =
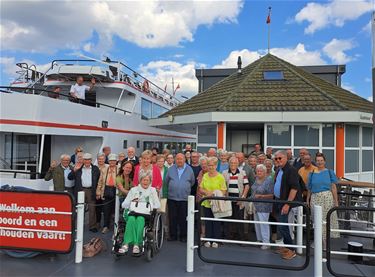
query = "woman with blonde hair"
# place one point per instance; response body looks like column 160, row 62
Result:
column 146, row 165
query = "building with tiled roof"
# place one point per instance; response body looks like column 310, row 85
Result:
column 280, row 105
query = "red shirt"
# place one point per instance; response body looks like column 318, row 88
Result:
column 157, row 181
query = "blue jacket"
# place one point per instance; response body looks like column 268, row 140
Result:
column 179, row 188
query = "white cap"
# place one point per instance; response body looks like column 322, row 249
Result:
column 112, row 157
column 87, row 156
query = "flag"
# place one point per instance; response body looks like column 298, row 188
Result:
column 165, row 88
column 178, row 86
column 268, row 21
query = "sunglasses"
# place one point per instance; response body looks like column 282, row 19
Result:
column 278, row 159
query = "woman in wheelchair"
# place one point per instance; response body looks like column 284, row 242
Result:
column 139, row 203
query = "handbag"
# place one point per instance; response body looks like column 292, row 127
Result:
column 140, row 208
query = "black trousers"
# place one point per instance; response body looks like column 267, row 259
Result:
column 108, row 210
column 177, row 211
column 235, row 230
column 99, row 210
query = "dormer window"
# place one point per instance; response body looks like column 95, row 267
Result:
column 273, row 75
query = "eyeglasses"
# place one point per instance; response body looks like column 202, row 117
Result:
column 278, row 159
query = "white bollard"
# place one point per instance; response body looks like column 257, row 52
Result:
column 190, row 234
column 299, row 229
column 80, row 223
column 318, row 241
column 117, row 212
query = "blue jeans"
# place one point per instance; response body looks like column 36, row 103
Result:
column 283, row 230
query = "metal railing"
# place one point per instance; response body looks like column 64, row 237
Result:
column 299, row 246
column 5, row 89
column 330, row 252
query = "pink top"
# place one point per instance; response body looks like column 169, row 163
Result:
column 157, row 181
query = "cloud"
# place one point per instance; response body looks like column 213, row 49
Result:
column 335, row 50
column 8, row 68
column 297, row 55
column 334, row 13
column 348, row 87
column 162, row 71
column 52, row 25
column 370, row 99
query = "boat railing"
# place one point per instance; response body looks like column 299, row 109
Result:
column 123, row 73
column 5, row 89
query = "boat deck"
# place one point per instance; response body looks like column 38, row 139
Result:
column 171, row 261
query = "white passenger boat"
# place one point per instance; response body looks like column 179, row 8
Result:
column 37, row 128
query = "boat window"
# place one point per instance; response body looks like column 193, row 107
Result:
column 157, row 110
column 146, row 109
column 273, row 75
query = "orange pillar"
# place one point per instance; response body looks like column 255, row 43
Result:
column 220, row 135
column 340, row 150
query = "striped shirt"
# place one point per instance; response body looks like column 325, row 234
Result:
column 233, row 190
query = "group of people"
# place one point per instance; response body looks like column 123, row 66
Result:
column 166, row 180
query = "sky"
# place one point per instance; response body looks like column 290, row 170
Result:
column 170, row 39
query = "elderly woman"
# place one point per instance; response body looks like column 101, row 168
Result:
column 203, row 162
column 262, row 189
column 106, row 190
column 212, row 181
column 135, row 223
column 120, row 157
column 269, row 166
column 322, row 191
column 169, row 161
column 100, row 159
column 238, row 186
column 224, row 165
column 145, row 165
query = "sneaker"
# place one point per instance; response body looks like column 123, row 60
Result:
column 214, row 245
column 136, row 249
column 207, row 244
column 123, row 249
column 289, row 255
column 105, row 230
column 264, row 247
column 281, row 250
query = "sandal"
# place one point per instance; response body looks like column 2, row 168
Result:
column 123, row 249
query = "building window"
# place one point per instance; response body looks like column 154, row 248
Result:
column 273, row 75
column 146, row 109
column 279, row 135
column 125, row 144
column 366, row 136
column 207, row 134
column 330, row 158
column 351, row 136
column 351, row 161
column 306, row 135
column 328, row 135
column 367, row 161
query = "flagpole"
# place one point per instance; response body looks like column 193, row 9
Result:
column 269, row 29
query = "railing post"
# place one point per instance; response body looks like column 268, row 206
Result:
column 299, row 229
column 117, row 211
column 190, row 234
column 80, row 221
column 318, row 241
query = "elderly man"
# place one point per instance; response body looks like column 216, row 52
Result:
column 78, row 90
column 59, row 174
column 132, row 157
column 211, row 152
column 298, row 163
column 86, row 178
column 196, row 167
column 307, row 168
column 269, row 154
column 290, row 156
column 106, row 151
column 188, row 148
column 245, row 167
column 180, row 179
column 286, row 188
column 257, row 150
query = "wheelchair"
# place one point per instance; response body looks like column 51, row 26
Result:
column 153, row 236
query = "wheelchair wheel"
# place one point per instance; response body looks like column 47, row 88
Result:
column 158, row 231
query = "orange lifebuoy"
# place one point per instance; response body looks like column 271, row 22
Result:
column 146, row 86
